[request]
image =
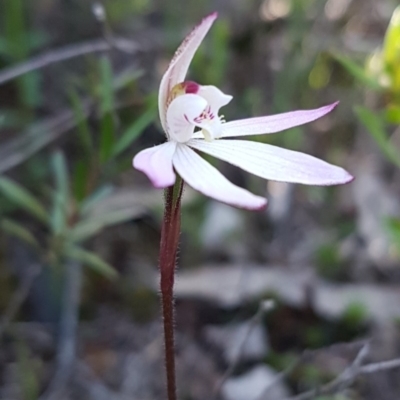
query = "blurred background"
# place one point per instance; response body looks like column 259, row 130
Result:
column 80, row 228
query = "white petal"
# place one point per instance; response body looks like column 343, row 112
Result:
column 156, row 163
column 215, row 97
column 179, row 65
column 274, row 123
column 203, row 177
column 212, row 128
column 274, row 163
column 181, row 115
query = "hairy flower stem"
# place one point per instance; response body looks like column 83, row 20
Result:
column 168, row 251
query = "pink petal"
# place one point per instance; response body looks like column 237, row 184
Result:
column 156, row 163
column 203, row 177
column 274, row 123
column 179, row 65
column 274, row 163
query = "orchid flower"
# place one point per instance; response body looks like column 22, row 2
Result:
column 189, row 115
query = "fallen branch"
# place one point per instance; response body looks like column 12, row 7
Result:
column 380, row 366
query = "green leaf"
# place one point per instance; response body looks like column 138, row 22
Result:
column 393, row 226
column 357, row 71
column 28, row 371
column 40, row 134
column 391, row 50
column 92, row 225
column 17, row 35
column 10, row 118
column 91, row 260
column 60, row 169
column 95, row 197
column 19, row 231
column 14, row 28
column 219, row 60
column 392, row 114
column 29, row 86
column 391, row 47
column 3, row 47
column 107, row 134
column 22, row 198
column 80, row 178
column 61, row 195
column 125, row 78
column 107, row 89
column 133, row 132
column 81, row 121
column 211, row 60
column 375, row 127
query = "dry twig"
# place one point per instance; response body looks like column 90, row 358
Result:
column 100, row 14
column 349, row 375
column 264, row 307
column 66, row 53
column 17, row 150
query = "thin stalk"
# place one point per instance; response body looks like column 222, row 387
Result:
column 168, row 252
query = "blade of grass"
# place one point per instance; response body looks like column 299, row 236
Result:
column 92, row 225
column 100, row 194
column 17, row 230
column 91, row 260
column 61, row 195
column 81, row 121
column 107, row 133
column 126, row 77
column 80, row 179
column 393, row 224
column 39, row 135
column 357, row 72
column 28, row 373
column 18, row 49
column 22, row 198
column 375, row 127
column 134, row 131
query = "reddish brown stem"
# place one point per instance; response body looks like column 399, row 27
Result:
column 168, row 315
column 168, row 251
